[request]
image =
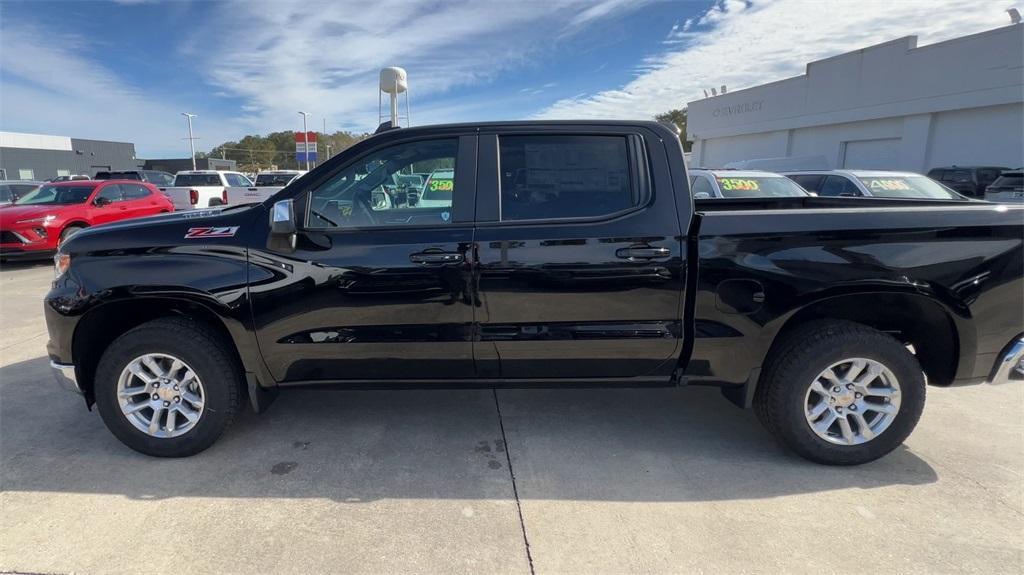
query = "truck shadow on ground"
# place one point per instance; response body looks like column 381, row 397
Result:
column 358, row 446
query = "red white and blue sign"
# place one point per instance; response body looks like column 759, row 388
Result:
column 303, row 140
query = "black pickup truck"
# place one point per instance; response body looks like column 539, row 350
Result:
column 557, row 254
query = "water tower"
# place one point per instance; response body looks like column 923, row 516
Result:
column 393, row 81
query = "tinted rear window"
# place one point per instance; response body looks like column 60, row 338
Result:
column 197, row 180
column 987, row 176
column 273, row 179
column 551, row 177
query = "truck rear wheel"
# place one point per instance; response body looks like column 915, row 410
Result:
column 840, row 393
column 168, row 388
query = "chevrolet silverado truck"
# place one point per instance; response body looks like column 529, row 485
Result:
column 567, row 254
column 196, row 189
column 267, row 183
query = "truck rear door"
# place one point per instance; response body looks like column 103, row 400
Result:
column 581, row 260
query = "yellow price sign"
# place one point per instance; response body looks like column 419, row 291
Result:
column 740, row 184
column 442, row 185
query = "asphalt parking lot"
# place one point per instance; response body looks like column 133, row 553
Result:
column 601, row 481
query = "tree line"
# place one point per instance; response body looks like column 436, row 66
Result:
column 276, row 150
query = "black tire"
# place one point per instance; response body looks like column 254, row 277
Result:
column 198, row 346
column 794, row 365
column 68, row 232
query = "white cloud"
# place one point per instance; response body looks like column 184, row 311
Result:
column 48, row 86
column 325, row 58
column 742, row 44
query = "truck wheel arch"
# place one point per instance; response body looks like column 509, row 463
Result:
column 100, row 326
column 924, row 322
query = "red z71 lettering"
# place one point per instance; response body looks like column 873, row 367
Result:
column 224, row 232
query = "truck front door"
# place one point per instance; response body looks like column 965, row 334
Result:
column 580, row 255
column 373, row 291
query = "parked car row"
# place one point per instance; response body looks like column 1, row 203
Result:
column 988, row 183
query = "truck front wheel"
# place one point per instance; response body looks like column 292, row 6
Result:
column 168, row 388
column 840, row 393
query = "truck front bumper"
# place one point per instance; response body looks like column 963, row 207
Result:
column 1010, row 364
column 65, row 376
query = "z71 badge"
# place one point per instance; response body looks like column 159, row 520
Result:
column 223, row 232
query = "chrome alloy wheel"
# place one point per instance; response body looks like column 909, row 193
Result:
column 160, row 395
column 852, row 402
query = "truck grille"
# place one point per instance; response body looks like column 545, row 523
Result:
column 10, row 238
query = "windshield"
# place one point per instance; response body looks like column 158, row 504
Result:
column 907, row 187
column 57, row 195
column 759, row 186
column 197, row 180
column 273, row 179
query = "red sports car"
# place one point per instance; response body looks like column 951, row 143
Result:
column 39, row 221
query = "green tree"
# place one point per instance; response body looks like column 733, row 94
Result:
column 256, row 152
column 677, row 117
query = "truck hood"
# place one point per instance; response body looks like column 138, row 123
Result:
column 200, row 217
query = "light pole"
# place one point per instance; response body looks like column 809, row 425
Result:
column 191, row 140
column 305, row 139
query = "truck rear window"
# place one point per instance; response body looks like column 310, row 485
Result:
column 197, row 180
column 264, row 180
column 758, row 186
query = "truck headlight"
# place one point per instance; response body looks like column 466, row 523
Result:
column 61, row 263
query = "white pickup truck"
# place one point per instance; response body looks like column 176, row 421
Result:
column 268, row 183
column 195, row 189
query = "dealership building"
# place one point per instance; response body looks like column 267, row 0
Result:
column 893, row 106
column 42, row 157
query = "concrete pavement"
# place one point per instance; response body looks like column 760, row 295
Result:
column 608, row 481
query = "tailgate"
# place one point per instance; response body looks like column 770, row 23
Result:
column 252, row 195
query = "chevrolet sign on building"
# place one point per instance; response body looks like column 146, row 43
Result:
column 891, row 106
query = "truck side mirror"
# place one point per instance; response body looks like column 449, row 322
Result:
column 282, row 218
column 283, row 228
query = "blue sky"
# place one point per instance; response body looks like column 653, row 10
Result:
column 125, row 70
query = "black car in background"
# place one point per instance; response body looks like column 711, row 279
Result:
column 970, row 181
column 155, row 177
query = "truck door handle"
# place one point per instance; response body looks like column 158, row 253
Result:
column 435, row 258
column 642, row 253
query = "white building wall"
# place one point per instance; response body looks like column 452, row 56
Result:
column 891, row 106
column 977, row 135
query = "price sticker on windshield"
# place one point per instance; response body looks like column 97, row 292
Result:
column 888, row 184
column 442, row 185
column 740, row 184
